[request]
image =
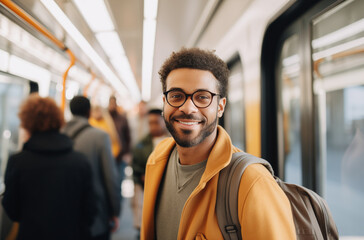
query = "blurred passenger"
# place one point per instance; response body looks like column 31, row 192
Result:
column 139, row 123
column 101, row 119
column 182, row 172
column 48, row 185
column 141, row 152
column 96, row 145
column 123, row 131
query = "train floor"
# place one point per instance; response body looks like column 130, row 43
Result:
column 126, row 230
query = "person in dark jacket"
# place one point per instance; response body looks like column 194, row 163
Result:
column 48, row 185
column 96, row 145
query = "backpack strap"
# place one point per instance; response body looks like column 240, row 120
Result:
column 78, row 131
column 227, row 197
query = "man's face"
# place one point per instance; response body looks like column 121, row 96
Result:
column 188, row 124
column 157, row 126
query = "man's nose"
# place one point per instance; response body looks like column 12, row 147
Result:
column 188, row 107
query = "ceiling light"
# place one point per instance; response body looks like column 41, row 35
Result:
column 111, row 43
column 96, row 15
column 121, row 64
column 150, row 9
column 148, row 52
column 108, row 38
column 88, row 50
column 149, row 29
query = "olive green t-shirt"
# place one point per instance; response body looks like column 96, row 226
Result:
column 177, row 184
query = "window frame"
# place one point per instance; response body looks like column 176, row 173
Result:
column 296, row 18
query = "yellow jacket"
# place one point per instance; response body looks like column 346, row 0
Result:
column 103, row 125
column 264, row 210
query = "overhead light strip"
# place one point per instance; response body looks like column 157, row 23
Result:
column 149, row 30
column 62, row 19
column 104, row 30
column 90, row 9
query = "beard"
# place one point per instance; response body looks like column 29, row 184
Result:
column 183, row 139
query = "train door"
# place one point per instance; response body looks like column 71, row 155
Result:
column 338, row 87
column 234, row 116
column 318, row 101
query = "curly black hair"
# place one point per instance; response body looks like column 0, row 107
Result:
column 196, row 58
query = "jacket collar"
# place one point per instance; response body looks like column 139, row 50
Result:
column 72, row 126
column 49, row 141
column 219, row 157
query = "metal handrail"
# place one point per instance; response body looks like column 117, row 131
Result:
column 38, row 26
column 317, row 63
column 72, row 62
column 29, row 19
column 34, row 23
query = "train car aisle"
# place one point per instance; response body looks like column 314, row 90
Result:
column 126, row 230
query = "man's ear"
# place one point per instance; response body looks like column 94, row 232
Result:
column 221, row 107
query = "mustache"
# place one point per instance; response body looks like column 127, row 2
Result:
column 187, row 116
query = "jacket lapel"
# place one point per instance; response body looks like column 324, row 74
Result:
column 155, row 166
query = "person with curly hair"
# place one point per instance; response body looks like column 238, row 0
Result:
column 48, row 186
column 182, row 173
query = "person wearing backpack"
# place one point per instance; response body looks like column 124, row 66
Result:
column 182, row 173
column 95, row 144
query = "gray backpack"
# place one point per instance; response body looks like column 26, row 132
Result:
column 311, row 215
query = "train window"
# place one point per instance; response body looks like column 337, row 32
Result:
column 12, row 92
column 289, row 110
column 338, row 64
column 234, row 120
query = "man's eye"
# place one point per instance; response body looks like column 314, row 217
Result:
column 176, row 96
column 202, row 97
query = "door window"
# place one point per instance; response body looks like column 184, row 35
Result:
column 338, row 64
column 289, row 110
column 234, row 115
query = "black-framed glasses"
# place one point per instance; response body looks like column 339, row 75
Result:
column 201, row 98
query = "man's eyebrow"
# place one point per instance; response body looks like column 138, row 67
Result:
column 173, row 89
column 180, row 89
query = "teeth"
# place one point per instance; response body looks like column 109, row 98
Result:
column 189, row 123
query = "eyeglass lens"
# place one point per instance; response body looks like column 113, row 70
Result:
column 199, row 98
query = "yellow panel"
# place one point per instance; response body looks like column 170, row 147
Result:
column 252, row 116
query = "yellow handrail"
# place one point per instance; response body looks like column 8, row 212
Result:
column 73, row 60
column 318, row 62
column 29, row 19
column 34, row 23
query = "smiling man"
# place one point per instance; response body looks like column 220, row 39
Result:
column 182, row 173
